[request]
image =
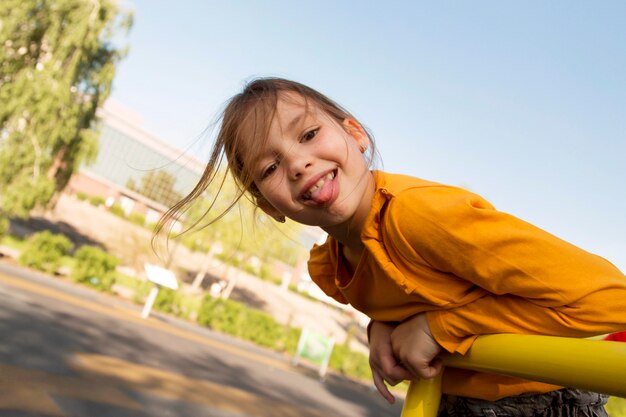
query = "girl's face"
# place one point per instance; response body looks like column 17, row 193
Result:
column 312, row 169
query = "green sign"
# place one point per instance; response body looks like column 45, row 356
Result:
column 315, row 348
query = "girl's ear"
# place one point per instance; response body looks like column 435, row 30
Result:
column 355, row 130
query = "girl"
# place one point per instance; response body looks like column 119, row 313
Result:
column 433, row 266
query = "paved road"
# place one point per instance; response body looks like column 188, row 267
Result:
column 68, row 351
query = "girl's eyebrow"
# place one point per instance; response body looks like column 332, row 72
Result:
column 294, row 122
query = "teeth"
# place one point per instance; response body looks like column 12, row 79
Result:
column 318, row 185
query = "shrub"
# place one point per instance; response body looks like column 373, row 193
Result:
column 95, row 267
column 117, row 210
column 290, row 342
column 261, row 328
column 96, row 201
column 246, row 323
column 266, row 274
column 351, row 363
column 142, row 289
column 4, row 226
column 167, row 301
column 238, row 320
column 44, row 251
column 137, row 218
column 81, row 196
column 221, row 315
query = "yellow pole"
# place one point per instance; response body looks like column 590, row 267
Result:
column 594, row 365
column 423, row 397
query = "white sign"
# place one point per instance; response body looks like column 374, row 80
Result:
column 161, row 276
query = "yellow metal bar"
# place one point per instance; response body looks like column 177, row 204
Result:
column 423, row 397
column 594, row 365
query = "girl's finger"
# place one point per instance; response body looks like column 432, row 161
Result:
column 382, row 388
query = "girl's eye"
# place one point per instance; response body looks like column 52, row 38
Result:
column 269, row 170
column 309, row 135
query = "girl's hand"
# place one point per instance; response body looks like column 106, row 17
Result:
column 384, row 365
column 416, row 349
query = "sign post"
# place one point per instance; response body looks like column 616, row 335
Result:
column 315, row 348
column 159, row 277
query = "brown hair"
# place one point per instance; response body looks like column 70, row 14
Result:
column 245, row 122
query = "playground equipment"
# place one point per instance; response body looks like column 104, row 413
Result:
column 595, row 365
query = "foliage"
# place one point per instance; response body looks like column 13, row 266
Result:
column 349, row 362
column 138, row 286
column 57, row 62
column 237, row 319
column 157, row 186
column 81, row 196
column 136, row 248
column 246, row 323
column 117, row 210
column 96, row 200
column 167, row 301
column 137, row 218
column 14, row 242
column 267, row 275
column 4, row 226
column 44, row 251
column 242, row 232
column 279, row 242
column 95, row 267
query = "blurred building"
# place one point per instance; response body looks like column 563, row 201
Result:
column 129, row 157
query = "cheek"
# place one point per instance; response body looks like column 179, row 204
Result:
column 274, row 189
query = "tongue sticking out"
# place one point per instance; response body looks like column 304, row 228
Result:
column 324, row 193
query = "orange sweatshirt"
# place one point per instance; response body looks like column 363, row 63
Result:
column 474, row 270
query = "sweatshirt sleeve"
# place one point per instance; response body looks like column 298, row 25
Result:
column 536, row 283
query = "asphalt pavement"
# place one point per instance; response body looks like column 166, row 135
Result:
column 66, row 350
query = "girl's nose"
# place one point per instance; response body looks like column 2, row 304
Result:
column 298, row 164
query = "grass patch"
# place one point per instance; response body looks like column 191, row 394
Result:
column 13, row 242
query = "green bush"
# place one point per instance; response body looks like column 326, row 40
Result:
column 44, row 251
column 96, row 201
column 290, row 342
column 238, row 320
column 117, row 210
column 137, row 218
column 351, row 363
column 267, row 275
column 4, row 226
column 167, row 301
column 246, row 323
column 142, row 289
column 222, row 315
column 81, row 196
column 95, row 267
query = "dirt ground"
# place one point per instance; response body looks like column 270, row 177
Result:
column 86, row 224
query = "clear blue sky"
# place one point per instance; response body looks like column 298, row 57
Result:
column 521, row 102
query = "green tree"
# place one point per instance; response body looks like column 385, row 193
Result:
column 158, row 186
column 280, row 242
column 57, row 63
